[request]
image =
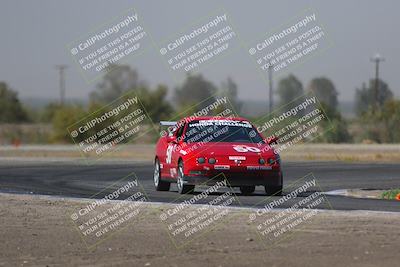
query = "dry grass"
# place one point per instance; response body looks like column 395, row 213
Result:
column 345, row 152
column 317, row 152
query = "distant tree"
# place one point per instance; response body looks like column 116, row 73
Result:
column 391, row 120
column 63, row 118
column 118, row 80
column 382, row 125
column 365, row 96
column 325, row 91
column 195, row 90
column 48, row 112
column 289, row 88
column 230, row 89
column 11, row 109
column 335, row 129
column 155, row 103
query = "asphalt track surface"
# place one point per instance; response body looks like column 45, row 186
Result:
column 76, row 179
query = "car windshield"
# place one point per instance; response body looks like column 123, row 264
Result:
column 221, row 131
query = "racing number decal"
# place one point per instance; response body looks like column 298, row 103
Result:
column 245, row 149
column 171, row 147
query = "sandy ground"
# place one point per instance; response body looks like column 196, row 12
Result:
column 39, row 231
column 331, row 152
column 358, row 193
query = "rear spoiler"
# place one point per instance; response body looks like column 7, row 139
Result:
column 168, row 123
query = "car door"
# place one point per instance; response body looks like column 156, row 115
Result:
column 172, row 154
column 170, row 160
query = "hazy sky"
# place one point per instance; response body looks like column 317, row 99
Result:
column 34, row 35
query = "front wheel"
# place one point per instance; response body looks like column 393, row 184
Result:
column 182, row 187
column 158, row 183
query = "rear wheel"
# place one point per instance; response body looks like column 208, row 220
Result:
column 273, row 190
column 182, row 188
column 158, row 183
column 247, row 190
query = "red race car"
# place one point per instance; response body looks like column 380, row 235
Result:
column 197, row 150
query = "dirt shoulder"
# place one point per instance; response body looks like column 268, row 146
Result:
column 301, row 152
column 38, row 231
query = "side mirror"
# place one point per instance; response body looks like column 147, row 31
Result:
column 171, row 139
column 272, row 140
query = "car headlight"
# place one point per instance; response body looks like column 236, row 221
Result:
column 211, row 160
column 201, row 160
column 261, row 161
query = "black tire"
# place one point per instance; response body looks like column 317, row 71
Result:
column 159, row 184
column 247, row 190
column 273, row 190
column 183, row 188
